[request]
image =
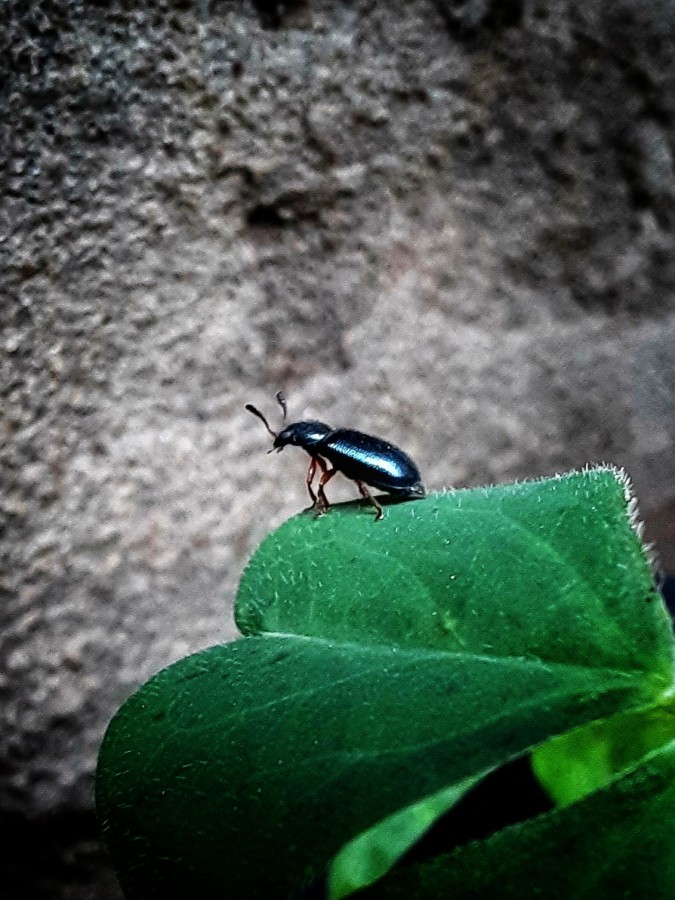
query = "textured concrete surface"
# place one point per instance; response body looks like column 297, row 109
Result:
column 450, row 224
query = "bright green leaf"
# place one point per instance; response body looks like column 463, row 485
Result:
column 372, row 853
column 617, row 844
column 583, row 760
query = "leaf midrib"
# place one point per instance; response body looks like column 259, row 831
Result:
column 645, row 675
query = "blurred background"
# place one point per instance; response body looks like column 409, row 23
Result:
column 450, row 224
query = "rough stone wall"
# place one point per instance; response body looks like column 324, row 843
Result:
column 447, row 223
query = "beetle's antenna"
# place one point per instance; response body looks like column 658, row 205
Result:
column 281, row 400
column 256, row 412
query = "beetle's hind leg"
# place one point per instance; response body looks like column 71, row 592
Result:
column 368, row 496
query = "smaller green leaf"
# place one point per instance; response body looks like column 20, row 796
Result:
column 584, row 760
column 369, row 856
column 616, row 844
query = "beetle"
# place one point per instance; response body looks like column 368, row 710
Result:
column 365, row 459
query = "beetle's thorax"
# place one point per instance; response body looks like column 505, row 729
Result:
column 302, row 434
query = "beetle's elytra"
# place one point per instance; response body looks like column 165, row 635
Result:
column 365, row 459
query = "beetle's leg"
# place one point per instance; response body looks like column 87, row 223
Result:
column 310, row 478
column 366, row 493
column 314, row 462
column 325, row 478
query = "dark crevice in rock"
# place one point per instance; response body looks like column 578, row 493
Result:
column 56, row 858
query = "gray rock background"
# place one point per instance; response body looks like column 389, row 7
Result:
column 447, row 223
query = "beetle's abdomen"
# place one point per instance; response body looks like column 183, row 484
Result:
column 365, row 458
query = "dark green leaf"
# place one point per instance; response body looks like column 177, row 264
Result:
column 394, row 660
column 282, row 749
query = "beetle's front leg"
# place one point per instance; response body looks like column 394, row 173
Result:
column 325, row 478
column 310, row 478
column 315, row 461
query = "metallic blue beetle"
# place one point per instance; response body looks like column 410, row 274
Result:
column 361, row 457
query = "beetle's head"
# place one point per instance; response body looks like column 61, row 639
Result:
column 301, row 434
column 417, row 490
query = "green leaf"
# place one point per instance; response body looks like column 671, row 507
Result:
column 548, row 569
column 371, row 854
column 387, row 662
column 617, row 844
column 264, row 757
